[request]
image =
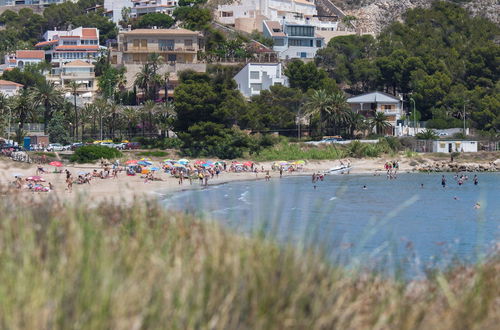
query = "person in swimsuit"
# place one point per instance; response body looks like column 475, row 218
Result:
column 443, row 181
column 476, row 180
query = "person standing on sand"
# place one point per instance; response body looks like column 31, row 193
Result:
column 69, row 183
column 281, row 172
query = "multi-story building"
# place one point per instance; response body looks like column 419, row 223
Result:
column 177, row 47
column 66, row 46
column 143, row 7
column 30, row 2
column 248, row 15
column 369, row 103
column 293, row 40
column 255, row 77
column 76, row 71
column 21, row 58
column 114, row 8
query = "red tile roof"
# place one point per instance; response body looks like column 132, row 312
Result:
column 45, row 43
column 81, row 47
column 89, row 33
column 40, row 54
column 9, row 83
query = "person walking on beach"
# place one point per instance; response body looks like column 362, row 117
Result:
column 281, row 172
column 268, row 176
column 443, row 181
column 69, row 183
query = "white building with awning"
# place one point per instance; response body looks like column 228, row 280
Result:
column 80, row 72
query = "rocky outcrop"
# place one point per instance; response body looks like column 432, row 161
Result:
column 374, row 15
column 460, row 167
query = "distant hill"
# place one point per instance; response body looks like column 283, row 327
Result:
column 374, row 15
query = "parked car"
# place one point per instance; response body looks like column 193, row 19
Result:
column 55, row 147
column 120, row 146
column 132, row 145
column 76, row 145
column 332, row 139
column 108, row 144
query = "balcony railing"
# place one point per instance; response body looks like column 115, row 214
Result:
column 160, row 49
column 78, row 75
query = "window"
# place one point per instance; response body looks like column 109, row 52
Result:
column 172, row 57
column 302, row 31
column 144, row 43
column 188, row 42
column 318, row 43
column 254, row 75
column 136, row 43
column 135, row 58
column 256, row 87
column 69, row 42
column 279, row 42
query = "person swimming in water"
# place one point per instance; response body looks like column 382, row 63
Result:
column 476, row 180
column 477, row 206
column 364, row 187
column 443, row 181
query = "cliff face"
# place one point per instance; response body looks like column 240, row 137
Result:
column 374, row 15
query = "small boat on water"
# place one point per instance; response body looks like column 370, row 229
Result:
column 339, row 170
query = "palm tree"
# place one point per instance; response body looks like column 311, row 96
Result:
column 339, row 111
column 332, row 109
column 130, row 115
column 5, row 112
column 73, row 87
column 48, row 95
column 318, row 104
column 357, row 122
column 86, row 113
column 147, row 109
column 379, row 121
column 142, row 79
column 165, row 115
column 166, row 80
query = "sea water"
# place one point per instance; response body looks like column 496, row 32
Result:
column 411, row 222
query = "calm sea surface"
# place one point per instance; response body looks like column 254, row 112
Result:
column 392, row 222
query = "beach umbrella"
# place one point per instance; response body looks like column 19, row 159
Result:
column 83, row 173
column 56, row 164
column 299, row 162
column 209, row 162
column 247, row 164
column 154, row 168
column 183, row 161
column 35, row 178
column 144, row 163
column 145, row 159
column 206, row 165
column 178, row 165
column 132, row 161
column 169, row 161
column 283, row 163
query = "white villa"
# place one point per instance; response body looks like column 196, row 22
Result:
column 369, row 103
column 77, row 71
column 293, row 40
column 23, row 57
column 248, row 15
column 113, row 8
column 66, row 46
column 255, row 77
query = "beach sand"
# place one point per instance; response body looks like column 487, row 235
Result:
column 126, row 188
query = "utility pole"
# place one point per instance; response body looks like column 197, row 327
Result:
column 464, row 121
column 8, row 132
column 414, row 117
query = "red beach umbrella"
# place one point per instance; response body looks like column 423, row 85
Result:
column 56, row 164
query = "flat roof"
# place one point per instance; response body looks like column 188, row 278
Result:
column 161, row 32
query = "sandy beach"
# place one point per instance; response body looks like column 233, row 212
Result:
column 126, row 188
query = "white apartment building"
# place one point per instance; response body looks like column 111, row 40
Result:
column 248, row 15
column 76, row 71
column 293, row 40
column 113, row 8
column 66, row 46
column 255, row 77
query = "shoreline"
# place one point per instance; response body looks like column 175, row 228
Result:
column 126, row 189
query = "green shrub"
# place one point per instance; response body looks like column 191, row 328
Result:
column 428, row 134
column 89, row 154
column 298, row 151
column 158, row 143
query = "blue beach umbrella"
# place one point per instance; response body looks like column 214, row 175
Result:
column 154, row 168
column 144, row 163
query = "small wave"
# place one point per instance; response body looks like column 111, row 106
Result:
column 333, row 198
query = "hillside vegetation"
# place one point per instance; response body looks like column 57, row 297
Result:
column 139, row 267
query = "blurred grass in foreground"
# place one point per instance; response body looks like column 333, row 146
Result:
column 139, row 267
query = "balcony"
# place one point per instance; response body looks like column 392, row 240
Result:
column 79, row 75
column 161, row 49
